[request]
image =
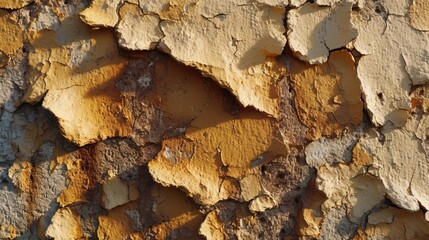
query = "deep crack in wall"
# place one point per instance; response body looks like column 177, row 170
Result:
column 205, row 119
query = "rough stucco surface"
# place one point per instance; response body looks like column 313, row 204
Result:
column 187, row 119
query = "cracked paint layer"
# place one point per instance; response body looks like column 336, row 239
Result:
column 240, row 33
column 392, row 223
column 402, row 171
column 400, row 63
column 210, row 152
column 314, row 31
column 186, row 119
column 138, row 30
column 244, row 37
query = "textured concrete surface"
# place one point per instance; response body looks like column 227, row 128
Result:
column 206, row 119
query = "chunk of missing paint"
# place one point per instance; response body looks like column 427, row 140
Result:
column 65, row 225
column 175, row 212
column 233, row 43
column 117, row 192
column 79, row 182
column 313, row 31
column 328, row 96
column 207, row 164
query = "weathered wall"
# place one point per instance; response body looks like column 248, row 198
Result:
column 234, row 119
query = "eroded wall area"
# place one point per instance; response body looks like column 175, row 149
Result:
column 247, row 119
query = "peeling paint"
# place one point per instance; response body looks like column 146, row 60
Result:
column 101, row 13
column 15, row 4
column 328, row 96
column 395, row 223
column 314, row 31
column 211, row 153
column 401, row 64
column 98, row 112
column 138, row 30
column 212, row 227
column 186, row 119
column 65, row 225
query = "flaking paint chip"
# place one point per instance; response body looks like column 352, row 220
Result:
column 14, row 4
column 206, row 163
column 314, row 31
column 65, row 225
column 235, row 43
column 212, row 227
column 87, row 103
column 391, row 65
column 137, row 30
column 101, row 13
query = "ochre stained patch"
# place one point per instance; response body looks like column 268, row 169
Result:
column 174, row 211
column 395, row 223
column 14, row 4
column 119, row 223
column 311, row 215
column 86, row 102
column 328, row 96
column 10, row 33
column 79, row 183
column 419, row 15
column 206, row 162
column 212, row 227
column 8, row 231
column 209, row 160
